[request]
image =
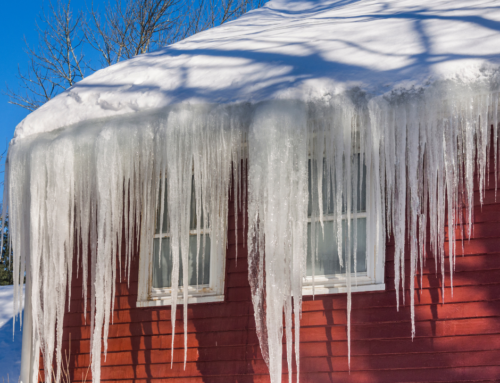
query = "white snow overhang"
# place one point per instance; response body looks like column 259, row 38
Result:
column 294, row 49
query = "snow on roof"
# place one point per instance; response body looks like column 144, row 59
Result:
column 294, row 49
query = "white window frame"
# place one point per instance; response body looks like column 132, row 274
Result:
column 213, row 292
column 370, row 280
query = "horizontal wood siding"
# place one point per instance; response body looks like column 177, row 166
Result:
column 458, row 341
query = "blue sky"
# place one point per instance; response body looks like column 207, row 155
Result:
column 17, row 22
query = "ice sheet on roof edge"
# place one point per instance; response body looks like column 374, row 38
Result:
column 418, row 146
column 293, row 49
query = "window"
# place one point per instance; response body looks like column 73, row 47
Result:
column 206, row 263
column 329, row 276
column 206, row 282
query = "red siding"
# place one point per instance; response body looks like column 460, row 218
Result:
column 457, row 341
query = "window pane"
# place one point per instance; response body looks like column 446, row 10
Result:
column 162, row 275
column 165, row 229
column 192, row 218
column 328, row 195
column 327, row 262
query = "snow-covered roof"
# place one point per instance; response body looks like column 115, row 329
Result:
column 294, row 49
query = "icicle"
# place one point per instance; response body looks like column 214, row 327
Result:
column 277, row 233
column 78, row 191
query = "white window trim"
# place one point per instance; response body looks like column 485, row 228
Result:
column 213, row 292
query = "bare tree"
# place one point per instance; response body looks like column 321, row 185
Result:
column 124, row 29
column 131, row 27
column 210, row 13
column 56, row 63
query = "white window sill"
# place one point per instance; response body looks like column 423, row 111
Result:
column 320, row 289
column 167, row 301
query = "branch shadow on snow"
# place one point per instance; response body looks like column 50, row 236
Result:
column 279, row 71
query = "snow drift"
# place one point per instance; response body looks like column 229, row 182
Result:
column 10, row 343
column 417, row 110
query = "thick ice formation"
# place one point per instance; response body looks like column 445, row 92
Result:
column 100, row 182
column 294, row 85
column 419, row 150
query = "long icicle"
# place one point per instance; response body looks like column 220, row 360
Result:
column 417, row 152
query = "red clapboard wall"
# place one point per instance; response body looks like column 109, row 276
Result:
column 458, row 341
